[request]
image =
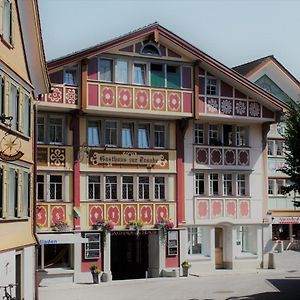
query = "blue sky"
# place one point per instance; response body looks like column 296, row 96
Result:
column 231, row 31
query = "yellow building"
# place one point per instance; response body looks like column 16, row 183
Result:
column 23, row 77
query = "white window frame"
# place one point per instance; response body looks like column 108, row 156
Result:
column 241, row 188
column 146, row 72
column 199, row 133
column 56, row 184
column 125, row 186
column 94, row 186
column 227, row 184
column 159, row 187
column 212, row 130
column 195, row 234
column 210, row 87
column 44, row 185
column 109, row 185
column 199, row 177
column 143, row 186
column 116, row 61
column 56, row 126
column 96, row 242
column 99, row 128
column 211, row 184
column 110, row 128
column 44, row 129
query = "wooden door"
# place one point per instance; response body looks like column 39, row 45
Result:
column 219, row 248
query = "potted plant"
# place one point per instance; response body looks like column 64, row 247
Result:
column 95, row 273
column 185, row 268
column 165, row 226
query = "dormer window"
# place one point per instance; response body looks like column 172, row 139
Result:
column 151, row 49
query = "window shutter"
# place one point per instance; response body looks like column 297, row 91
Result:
column 1, row 14
column 5, row 192
column 12, row 25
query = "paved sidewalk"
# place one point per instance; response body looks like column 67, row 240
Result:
column 282, row 283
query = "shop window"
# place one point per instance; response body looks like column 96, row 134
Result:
column 195, row 240
column 105, row 70
column 55, row 187
column 241, row 184
column 159, row 136
column 213, row 184
column 157, row 75
column 94, row 133
column 121, row 71
column 139, row 73
column 92, row 248
column 7, row 21
column 127, row 135
column 199, row 134
column 127, row 187
column 111, row 187
column 159, row 188
column 246, row 239
column 40, row 187
column 199, row 178
column 144, row 193
column 70, row 76
column 173, row 76
column 111, row 133
column 211, row 86
column 94, row 188
column 143, row 135
column 55, row 130
column 227, row 185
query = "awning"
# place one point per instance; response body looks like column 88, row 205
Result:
column 286, row 220
column 64, row 238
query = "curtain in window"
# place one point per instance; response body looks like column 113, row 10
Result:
column 139, row 73
column 143, row 137
column 105, row 68
column 127, row 136
column 122, row 71
column 93, row 134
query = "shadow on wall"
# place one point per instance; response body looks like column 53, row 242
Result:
column 288, row 289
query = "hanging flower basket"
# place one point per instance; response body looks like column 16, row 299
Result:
column 164, row 226
column 105, row 227
column 60, row 226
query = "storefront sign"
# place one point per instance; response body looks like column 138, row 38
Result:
column 65, row 238
column 286, row 220
column 108, row 158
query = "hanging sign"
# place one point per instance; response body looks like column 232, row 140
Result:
column 10, row 146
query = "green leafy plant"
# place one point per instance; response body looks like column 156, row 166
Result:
column 186, row 264
column 94, row 269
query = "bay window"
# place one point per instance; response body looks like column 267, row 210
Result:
column 105, row 70
column 127, row 135
column 159, row 136
column 111, row 133
column 143, row 135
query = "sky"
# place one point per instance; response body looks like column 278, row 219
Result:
column 232, row 31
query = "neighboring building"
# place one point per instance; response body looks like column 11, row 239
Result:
column 112, row 146
column 23, row 76
column 272, row 76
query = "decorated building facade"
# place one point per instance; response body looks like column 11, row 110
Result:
column 116, row 158
column 22, row 78
column 272, row 76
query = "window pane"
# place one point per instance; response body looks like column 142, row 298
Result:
column 241, row 136
column 94, row 133
column 7, row 22
column 26, row 115
column 13, row 106
column 70, row 76
column 105, row 69
column 157, row 75
column 127, row 135
column 213, row 184
column 122, row 71
column 228, row 135
column 199, row 134
column 194, row 241
column 55, row 131
column 199, row 183
column 211, row 86
column 144, row 188
column 159, row 136
column 173, row 77
column 111, row 133
column 159, row 189
column 143, row 136
column 41, row 130
column 139, row 74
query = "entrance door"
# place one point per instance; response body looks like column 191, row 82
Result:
column 219, row 248
column 18, row 276
column 129, row 256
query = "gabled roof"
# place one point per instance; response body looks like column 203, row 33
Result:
column 192, row 51
column 249, row 68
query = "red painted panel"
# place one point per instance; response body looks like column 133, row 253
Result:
column 172, row 261
column 57, row 77
column 187, row 102
column 93, row 94
column 239, row 94
column 86, row 264
column 187, row 77
column 226, row 89
column 201, row 104
column 93, row 69
column 201, row 85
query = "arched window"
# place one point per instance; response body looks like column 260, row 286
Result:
column 150, row 48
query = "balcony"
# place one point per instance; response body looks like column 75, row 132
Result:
column 130, row 99
column 62, row 98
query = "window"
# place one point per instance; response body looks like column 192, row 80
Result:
column 26, row 195
column 55, row 130
column 246, row 239
column 7, row 21
column 40, row 187
column 211, row 86
column 199, row 183
column 1, row 192
column 139, row 73
column 127, row 187
column 2, row 95
column 159, row 136
column 173, row 77
column 270, row 147
column 93, row 247
column 27, row 115
column 271, row 187
column 227, row 184
column 70, row 76
column 157, row 75
column 279, row 148
column 111, row 133
column 13, row 193
column 241, row 184
column 213, row 184
column 41, row 130
column 94, row 133
column 127, row 135
column 121, row 71
column 159, row 188
column 94, row 188
column 14, row 106
column 111, row 187
column 241, row 136
column 195, row 236
column 143, row 135
column 56, row 187
column 144, row 188
column 228, row 135
column 213, row 134
column 199, row 133
column 280, row 185
column 105, row 70
column 150, row 49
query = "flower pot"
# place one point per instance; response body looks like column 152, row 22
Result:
column 185, row 271
column 95, row 277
